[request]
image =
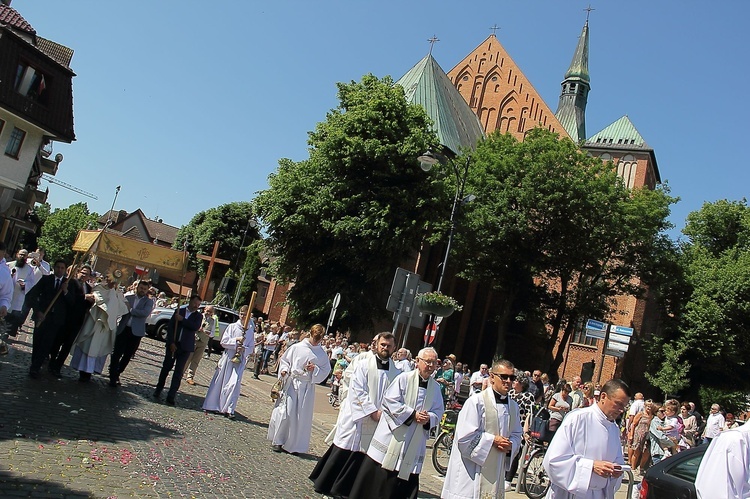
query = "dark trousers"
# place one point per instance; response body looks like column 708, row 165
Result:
column 44, row 337
column 64, row 342
column 176, row 361
column 126, row 344
column 15, row 320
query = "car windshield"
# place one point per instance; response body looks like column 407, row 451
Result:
column 687, row 469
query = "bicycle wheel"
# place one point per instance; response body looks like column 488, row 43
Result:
column 441, row 452
column 536, row 481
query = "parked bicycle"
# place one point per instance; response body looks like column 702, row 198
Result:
column 441, row 448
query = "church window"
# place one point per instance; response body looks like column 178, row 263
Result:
column 580, row 335
column 606, row 156
column 15, row 142
column 494, row 78
column 497, row 88
column 466, row 78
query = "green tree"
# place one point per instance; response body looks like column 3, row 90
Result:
column 343, row 220
column 704, row 352
column 60, row 229
column 556, row 232
column 231, row 224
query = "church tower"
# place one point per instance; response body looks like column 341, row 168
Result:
column 571, row 110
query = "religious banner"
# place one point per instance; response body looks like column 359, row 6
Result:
column 129, row 251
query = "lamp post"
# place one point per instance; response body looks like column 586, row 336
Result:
column 426, row 162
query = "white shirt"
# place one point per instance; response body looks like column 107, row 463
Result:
column 714, row 424
column 724, row 472
column 636, row 407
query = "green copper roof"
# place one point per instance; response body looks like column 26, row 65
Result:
column 456, row 125
column 620, row 133
column 579, row 66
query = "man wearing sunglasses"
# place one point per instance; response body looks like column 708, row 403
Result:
column 488, row 435
column 585, row 457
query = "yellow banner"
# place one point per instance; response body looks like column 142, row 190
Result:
column 129, row 251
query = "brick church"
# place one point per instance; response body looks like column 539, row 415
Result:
column 498, row 95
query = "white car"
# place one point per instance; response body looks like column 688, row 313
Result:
column 156, row 323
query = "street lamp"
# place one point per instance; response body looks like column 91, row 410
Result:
column 426, row 162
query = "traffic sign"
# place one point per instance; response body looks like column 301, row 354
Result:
column 627, row 331
column 619, row 338
column 596, row 329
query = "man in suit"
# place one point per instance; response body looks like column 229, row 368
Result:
column 130, row 331
column 80, row 302
column 181, row 332
column 50, row 299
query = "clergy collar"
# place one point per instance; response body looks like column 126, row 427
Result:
column 500, row 399
column 382, row 364
column 423, row 382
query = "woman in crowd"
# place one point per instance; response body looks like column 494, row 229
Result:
column 639, row 432
column 655, row 435
column 690, row 425
column 559, row 406
column 588, row 394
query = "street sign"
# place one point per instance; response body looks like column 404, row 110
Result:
column 620, row 347
column 619, row 338
column 596, row 329
column 626, row 331
column 404, row 289
column 614, row 353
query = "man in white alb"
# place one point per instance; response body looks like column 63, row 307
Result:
column 724, row 472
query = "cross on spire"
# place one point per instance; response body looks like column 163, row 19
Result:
column 494, row 28
column 432, row 41
column 588, row 11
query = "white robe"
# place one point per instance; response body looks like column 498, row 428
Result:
column 395, row 413
column 291, row 419
column 224, row 390
column 472, row 445
column 584, row 436
column 96, row 339
column 724, row 471
column 355, row 410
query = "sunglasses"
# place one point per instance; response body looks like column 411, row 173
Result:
column 505, row 377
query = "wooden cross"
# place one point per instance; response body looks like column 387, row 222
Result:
column 211, row 260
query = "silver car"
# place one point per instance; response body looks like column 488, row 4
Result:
column 156, row 323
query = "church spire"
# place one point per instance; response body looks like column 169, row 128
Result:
column 571, row 110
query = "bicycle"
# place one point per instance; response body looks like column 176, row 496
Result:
column 532, row 475
column 441, row 448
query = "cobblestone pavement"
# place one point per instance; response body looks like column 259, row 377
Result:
column 65, row 439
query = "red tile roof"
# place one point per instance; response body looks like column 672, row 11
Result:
column 10, row 16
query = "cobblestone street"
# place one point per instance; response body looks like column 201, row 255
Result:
column 63, row 438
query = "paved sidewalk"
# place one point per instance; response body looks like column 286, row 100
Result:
column 65, row 439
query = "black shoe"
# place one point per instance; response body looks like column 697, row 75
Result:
column 277, row 448
column 230, row 415
column 84, row 377
column 255, row 376
column 157, row 394
column 170, row 401
column 56, row 373
column 34, row 374
column 113, row 383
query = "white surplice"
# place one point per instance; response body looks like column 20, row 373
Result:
column 291, row 418
column 585, row 436
column 395, row 414
column 724, row 471
column 354, row 426
column 224, row 390
column 96, row 339
column 472, row 445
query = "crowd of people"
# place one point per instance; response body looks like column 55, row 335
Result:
column 390, row 402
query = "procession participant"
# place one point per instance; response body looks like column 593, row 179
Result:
column 358, row 417
column 23, row 280
column 6, row 295
column 402, row 360
column 488, row 436
column 208, row 327
column 81, row 300
column 50, row 300
column 224, row 390
column 303, row 365
column 180, row 343
column 477, row 379
column 585, row 459
column 96, row 339
column 130, row 331
column 411, row 406
column 724, row 471
column 211, row 327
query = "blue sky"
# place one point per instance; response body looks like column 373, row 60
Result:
column 188, row 105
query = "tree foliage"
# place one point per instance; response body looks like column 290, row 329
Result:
column 556, row 232
column 229, row 224
column 706, row 349
column 344, row 219
column 60, row 228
